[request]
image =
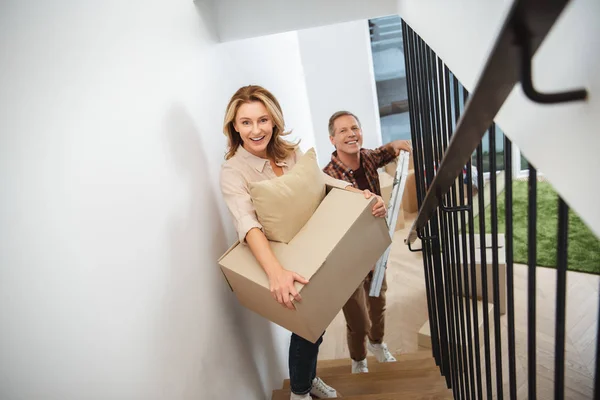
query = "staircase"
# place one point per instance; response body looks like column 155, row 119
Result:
column 413, row 376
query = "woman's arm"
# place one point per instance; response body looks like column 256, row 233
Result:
column 238, row 201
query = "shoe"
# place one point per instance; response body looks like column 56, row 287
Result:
column 322, row 391
column 381, row 352
column 300, row 396
column 360, row 367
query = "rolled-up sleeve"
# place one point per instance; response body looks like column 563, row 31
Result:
column 383, row 155
column 237, row 198
column 336, row 183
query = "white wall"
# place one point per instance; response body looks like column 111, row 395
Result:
column 560, row 140
column 110, row 218
column 339, row 76
column 239, row 19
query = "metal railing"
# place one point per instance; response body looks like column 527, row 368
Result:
column 447, row 127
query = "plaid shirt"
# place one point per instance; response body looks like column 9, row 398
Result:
column 370, row 160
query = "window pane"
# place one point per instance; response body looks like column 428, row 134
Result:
column 390, row 77
column 524, row 163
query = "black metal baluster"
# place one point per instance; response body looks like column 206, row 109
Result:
column 561, row 299
column 455, row 260
column 430, row 106
column 597, row 372
column 438, row 155
column 450, row 305
column 415, row 127
column 473, row 272
column 483, row 275
column 495, row 267
column 463, row 249
column 510, row 293
column 531, row 282
column 433, row 223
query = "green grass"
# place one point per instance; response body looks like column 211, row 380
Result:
column 583, row 245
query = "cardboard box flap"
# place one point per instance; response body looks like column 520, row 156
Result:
column 241, row 261
column 229, row 250
column 331, row 222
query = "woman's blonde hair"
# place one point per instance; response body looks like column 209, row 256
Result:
column 278, row 149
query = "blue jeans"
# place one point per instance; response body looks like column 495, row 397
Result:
column 303, row 363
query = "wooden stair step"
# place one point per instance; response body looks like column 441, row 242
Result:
column 428, row 394
column 379, row 383
column 417, row 355
column 432, row 394
column 388, row 372
column 374, row 366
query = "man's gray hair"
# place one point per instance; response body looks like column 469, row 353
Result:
column 335, row 116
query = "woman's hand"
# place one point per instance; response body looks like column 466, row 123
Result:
column 379, row 209
column 281, row 283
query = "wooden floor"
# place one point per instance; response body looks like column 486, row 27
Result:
column 407, row 311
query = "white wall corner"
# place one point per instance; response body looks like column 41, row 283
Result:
column 239, row 19
column 207, row 12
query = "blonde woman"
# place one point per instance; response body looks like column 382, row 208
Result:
column 254, row 126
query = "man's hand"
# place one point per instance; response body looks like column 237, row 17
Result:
column 379, row 209
column 399, row 145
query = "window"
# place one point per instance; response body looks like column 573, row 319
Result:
column 387, row 48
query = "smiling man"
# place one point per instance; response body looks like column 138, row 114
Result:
column 365, row 316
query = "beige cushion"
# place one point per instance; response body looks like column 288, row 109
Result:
column 284, row 204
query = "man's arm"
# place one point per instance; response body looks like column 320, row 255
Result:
column 399, row 145
column 388, row 153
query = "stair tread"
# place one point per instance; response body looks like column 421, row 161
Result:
column 433, row 394
column 382, row 382
column 417, row 355
column 374, row 366
column 409, row 394
column 385, row 374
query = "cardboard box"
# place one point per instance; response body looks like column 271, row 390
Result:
column 386, row 182
column 424, row 335
column 335, row 251
column 409, row 200
column 489, row 269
